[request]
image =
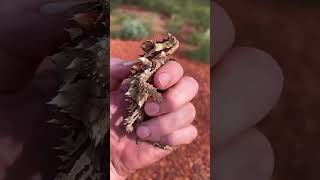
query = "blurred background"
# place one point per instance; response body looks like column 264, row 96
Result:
column 132, row 22
column 289, row 31
column 189, row 20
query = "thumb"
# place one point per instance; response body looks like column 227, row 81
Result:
column 119, row 70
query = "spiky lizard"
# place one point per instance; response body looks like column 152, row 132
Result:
column 140, row 82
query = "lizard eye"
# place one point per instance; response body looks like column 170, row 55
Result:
column 147, row 46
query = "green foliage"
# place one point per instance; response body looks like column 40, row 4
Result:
column 198, row 12
column 202, row 52
column 197, row 38
column 175, row 23
column 133, row 29
column 165, row 7
column 122, row 17
column 114, row 4
column 199, row 16
column 195, row 13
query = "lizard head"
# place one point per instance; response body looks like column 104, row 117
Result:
column 171, row 44
column 168, row 45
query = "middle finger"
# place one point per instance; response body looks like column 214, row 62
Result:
column 175, row 97
column 163, row 125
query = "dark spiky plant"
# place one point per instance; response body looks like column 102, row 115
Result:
column 80, row 106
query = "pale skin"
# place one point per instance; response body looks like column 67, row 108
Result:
column 170, row 123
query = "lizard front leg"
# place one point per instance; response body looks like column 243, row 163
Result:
column 151, row 91
column 157, row 97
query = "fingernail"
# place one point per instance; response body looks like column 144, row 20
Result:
column 164, row 79
column 152, row 108
column 143, row 132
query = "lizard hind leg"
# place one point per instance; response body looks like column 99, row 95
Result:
column 134, row 117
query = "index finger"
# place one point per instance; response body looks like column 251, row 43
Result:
column 168, row 75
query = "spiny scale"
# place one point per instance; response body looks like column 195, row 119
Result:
column 156, row 54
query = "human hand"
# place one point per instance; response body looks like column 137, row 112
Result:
column 170, row 123
column 246, row 84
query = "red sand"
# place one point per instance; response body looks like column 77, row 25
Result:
column 189, row 161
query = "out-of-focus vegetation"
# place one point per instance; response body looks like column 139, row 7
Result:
column 175, row 24
column 133, row 29
column 203, row 50
column 196, row 11
column 129, row 27
column 193, row 15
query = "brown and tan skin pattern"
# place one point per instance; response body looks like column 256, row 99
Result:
column 140, row 88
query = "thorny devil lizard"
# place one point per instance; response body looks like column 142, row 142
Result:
column 140, row 88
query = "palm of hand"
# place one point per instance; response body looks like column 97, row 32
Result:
column 126, row 153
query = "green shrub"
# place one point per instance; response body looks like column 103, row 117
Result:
column 200, row 17
column 163, row 6
column 194, row 10
column 198, row 37
column 123, row 17
column 114, row 5
column 195, row 39
column 175, row 23
column 202, row 52
column 133, row 29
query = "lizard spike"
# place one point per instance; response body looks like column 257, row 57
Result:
column 141, row 89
